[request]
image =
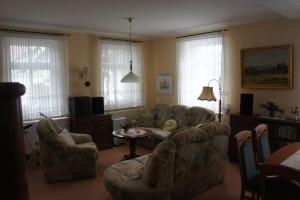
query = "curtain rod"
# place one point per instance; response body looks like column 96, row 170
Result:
column 33, row 32
column 204, row 33
column 117, row 39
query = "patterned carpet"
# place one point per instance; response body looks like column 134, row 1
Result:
column 93, row 189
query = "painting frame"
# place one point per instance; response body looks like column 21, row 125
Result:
column 164, row 84
column 267, row 67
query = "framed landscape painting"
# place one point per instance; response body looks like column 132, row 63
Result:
column 267, row 67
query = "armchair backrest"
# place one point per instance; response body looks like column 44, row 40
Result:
column 47, row 131
column 195, row 151
column 199, row 115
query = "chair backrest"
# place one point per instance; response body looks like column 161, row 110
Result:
column 47, row 132
column 246, row 155
column 279, row 182
column 262, row 142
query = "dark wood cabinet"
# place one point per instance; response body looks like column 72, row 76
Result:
column 99, row 127
column 281, row 131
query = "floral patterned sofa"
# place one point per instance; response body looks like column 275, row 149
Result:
column 183, row 115
column 186, row 163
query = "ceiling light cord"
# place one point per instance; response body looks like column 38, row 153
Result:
column 130, row 20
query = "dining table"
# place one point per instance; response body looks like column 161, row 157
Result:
column 288, row 155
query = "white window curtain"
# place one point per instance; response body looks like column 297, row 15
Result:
column 38, row 62
column 114, row 65
column 200, row 59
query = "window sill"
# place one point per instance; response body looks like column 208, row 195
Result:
column 123, row 110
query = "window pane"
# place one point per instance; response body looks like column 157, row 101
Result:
column 199, row 60
column 114, row 64
column 39, row 64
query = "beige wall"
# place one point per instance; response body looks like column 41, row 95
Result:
column 82, row 52
column 160, row 58
column 277, row 32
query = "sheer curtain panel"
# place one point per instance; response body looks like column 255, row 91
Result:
column 200, row 59
column 114, row 65
column 38, row 62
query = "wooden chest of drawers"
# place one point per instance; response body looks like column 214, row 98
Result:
column 99, row 127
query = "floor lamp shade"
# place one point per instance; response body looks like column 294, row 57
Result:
column 207, row 94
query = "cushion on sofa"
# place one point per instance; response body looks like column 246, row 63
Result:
column 180, row 114
column 65, row 137
column 161, row 112
column 158, row 133
column 147, row 120
column 159, row 168
column 170, row 125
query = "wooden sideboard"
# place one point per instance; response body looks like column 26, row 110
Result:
column 281, row 131
column 100, row 127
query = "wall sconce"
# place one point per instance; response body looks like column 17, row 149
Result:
column 85, row 74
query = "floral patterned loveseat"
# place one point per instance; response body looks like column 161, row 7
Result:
column 160, row 113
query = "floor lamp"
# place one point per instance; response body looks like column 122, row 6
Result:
column 208, row 95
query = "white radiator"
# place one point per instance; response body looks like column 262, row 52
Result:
column 117, row 125
column 31, row 139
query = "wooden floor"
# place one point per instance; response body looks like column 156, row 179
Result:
column 93, row 189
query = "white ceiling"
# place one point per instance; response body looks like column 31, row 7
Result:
column 153, row 18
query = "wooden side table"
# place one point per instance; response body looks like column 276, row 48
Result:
column 132, row 135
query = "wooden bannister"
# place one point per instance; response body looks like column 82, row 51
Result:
column 13, row 174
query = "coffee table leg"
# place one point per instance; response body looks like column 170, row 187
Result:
column 132, row 149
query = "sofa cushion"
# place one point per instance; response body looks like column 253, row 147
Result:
column 170, row 125
column 158, row 133
column 180, row 114
column 66, row 137
column 188, row 135
column 147, row 120
column 159, row 168
column 199, row 115
column 161, row 112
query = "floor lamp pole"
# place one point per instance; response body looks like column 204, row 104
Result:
column 219, row 114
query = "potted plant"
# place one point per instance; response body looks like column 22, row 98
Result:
column 271, row 107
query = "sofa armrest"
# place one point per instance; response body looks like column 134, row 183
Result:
column 74, row 154
column 81, row 138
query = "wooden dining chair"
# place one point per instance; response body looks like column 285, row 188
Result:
column 247, row 163
column 283, row 183
column 261, row 142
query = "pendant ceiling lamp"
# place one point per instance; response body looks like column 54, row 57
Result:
column 130, row 77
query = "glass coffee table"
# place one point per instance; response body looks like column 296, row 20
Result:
column 132, row 134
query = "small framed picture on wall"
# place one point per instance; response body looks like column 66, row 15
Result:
column 164, row 84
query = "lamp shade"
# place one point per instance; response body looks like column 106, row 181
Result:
column 207, row 94
column 130, row 78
